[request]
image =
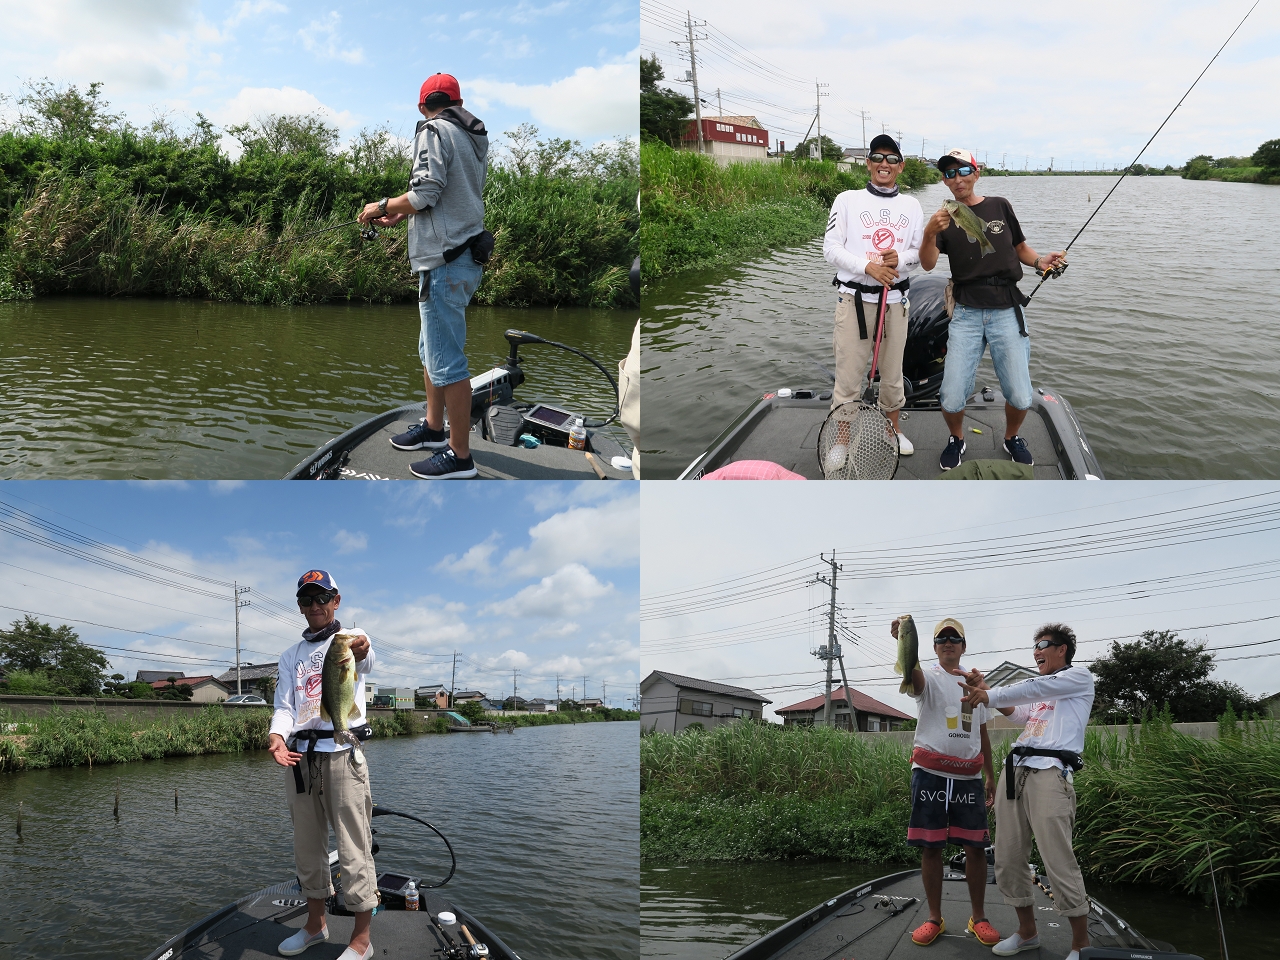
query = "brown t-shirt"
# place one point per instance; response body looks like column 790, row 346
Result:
column 967, row 262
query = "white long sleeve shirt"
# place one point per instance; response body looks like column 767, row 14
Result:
column 298, row 690
column 863, row 226
column 1054, row 709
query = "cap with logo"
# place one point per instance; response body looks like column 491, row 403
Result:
column 317, row 578
column 957, row 158
column 440, row 83
column 948, row 623
column 882, row 142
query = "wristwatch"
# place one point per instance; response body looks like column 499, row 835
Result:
column 382, row 206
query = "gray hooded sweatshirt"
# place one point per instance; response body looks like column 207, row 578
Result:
column 446, row 186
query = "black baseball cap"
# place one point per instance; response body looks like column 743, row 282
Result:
column 882, row 142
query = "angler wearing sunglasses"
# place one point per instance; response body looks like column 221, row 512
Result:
column 988, row 305
column 336, row 788
column 1039, row 800
column 873, row 240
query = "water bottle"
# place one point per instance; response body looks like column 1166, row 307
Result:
column 578, row 436
column 411, row 897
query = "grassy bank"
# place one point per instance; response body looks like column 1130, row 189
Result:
column 696, row 213
column 571, row 716
column 126, row 214
column 1145, row 806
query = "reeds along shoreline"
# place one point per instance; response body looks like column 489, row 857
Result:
column 698, row 214
column 117, row 220
column 1146, row 804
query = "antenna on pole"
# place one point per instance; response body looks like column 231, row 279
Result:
column 239, row 603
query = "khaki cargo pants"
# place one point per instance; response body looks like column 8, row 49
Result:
column 1045, row 805
column 337, row 796
column 853, row 354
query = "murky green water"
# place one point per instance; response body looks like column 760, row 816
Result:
column 545, row 823
column 111, row 389
column 1158, row 334
column 706, row 911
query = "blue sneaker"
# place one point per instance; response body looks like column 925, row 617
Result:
column 1017, row 450
column 445, row 465
column 420, row 437
column 950, row 458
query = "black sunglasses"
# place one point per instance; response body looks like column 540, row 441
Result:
column 963, row 170
column 320, row 598
column 1042, row 644
column 947, row 638
column 884, row 158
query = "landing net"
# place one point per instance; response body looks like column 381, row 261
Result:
column 857, row 442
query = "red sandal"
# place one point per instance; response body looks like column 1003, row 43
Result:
column 928, row 932
column 984, row 931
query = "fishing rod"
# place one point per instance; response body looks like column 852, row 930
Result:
column 1057, row 270
column 371, row 233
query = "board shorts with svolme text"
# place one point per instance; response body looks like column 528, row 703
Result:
column 945, row 810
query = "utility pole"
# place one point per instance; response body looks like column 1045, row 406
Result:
column 922, row 143
column 1026, row 163
column 693, row 76
column 719, row 103
column 817, row 87
column 1003, row 157
column 453, row 679
column 864, row 115
column 239, row 603
column 604, row 692
column 831, row 650
column 584, row 688
column 899, row 139
column 557, row 691
column 1051, row 164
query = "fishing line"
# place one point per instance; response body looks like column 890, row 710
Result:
column 1051, row 272
column 370, row 233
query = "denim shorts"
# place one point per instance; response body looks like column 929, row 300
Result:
column 443, row 295
column 972, row 329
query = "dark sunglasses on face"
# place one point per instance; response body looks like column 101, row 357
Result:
column 947, row 638
column 885, row 158
column 320, row 598
column 1042, row 644
column 963, row 170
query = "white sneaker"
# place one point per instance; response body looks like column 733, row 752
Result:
column 905, row 449
column 1015, row 944
column 836, row 457
column 301, row 940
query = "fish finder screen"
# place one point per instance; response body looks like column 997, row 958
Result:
column 550, row 416
column 392, row 881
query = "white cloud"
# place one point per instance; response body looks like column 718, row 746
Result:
column 321, row 38
column 475, row 560
column 606, row 535
column 227, row 486
column 350, row 542
column 592, row 102
column 246, row 9
column 568, row 590
column 252, row 102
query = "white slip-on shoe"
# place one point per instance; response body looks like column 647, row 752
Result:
column 349, row 954
column 836, row 457
column 301, row 940
column 905, row 447
column 1015, row 944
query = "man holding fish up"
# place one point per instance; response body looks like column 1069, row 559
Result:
column 1039, row 800
column 986, row 250
column 950, row 756
column 873, row 239
column 320, row 702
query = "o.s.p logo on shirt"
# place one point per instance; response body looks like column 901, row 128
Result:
column 882, row 239
column 313, row 686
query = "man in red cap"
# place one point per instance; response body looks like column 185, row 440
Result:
column 447, row 245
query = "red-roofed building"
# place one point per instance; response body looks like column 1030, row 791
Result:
column 728, row 137
column 869, row 714
column 206, row 689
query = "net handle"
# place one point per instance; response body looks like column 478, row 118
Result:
column 875, row 356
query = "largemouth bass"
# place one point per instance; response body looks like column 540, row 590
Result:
column 338, row 692
column 908, row 651
column 972, row 224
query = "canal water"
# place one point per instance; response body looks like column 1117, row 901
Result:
column 545, row 823
column 1158, row 333
column 706, row 911
column 173, row 389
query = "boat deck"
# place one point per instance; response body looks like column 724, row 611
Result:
column 870, row 922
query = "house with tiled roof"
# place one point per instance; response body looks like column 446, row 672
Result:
column 866, row 714
column 670, row 702
column 206, row 689
column 256, row 678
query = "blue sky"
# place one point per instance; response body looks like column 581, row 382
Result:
column 698, row 534
column 1085, row 84
column 568, row 66
column 540, row 577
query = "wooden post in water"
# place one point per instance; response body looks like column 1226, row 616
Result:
column 175, row 800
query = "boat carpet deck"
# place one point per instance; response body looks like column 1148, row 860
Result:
column 788, row 435
column 256, row 928
column 860, row 928
column 376, row 459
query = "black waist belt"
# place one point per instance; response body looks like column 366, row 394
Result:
column 872, row 288
column 312, row 737
column 1069, row 758
column 481, row 247
column 1019, row 299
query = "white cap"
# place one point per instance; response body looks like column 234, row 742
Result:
column 445, row 917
